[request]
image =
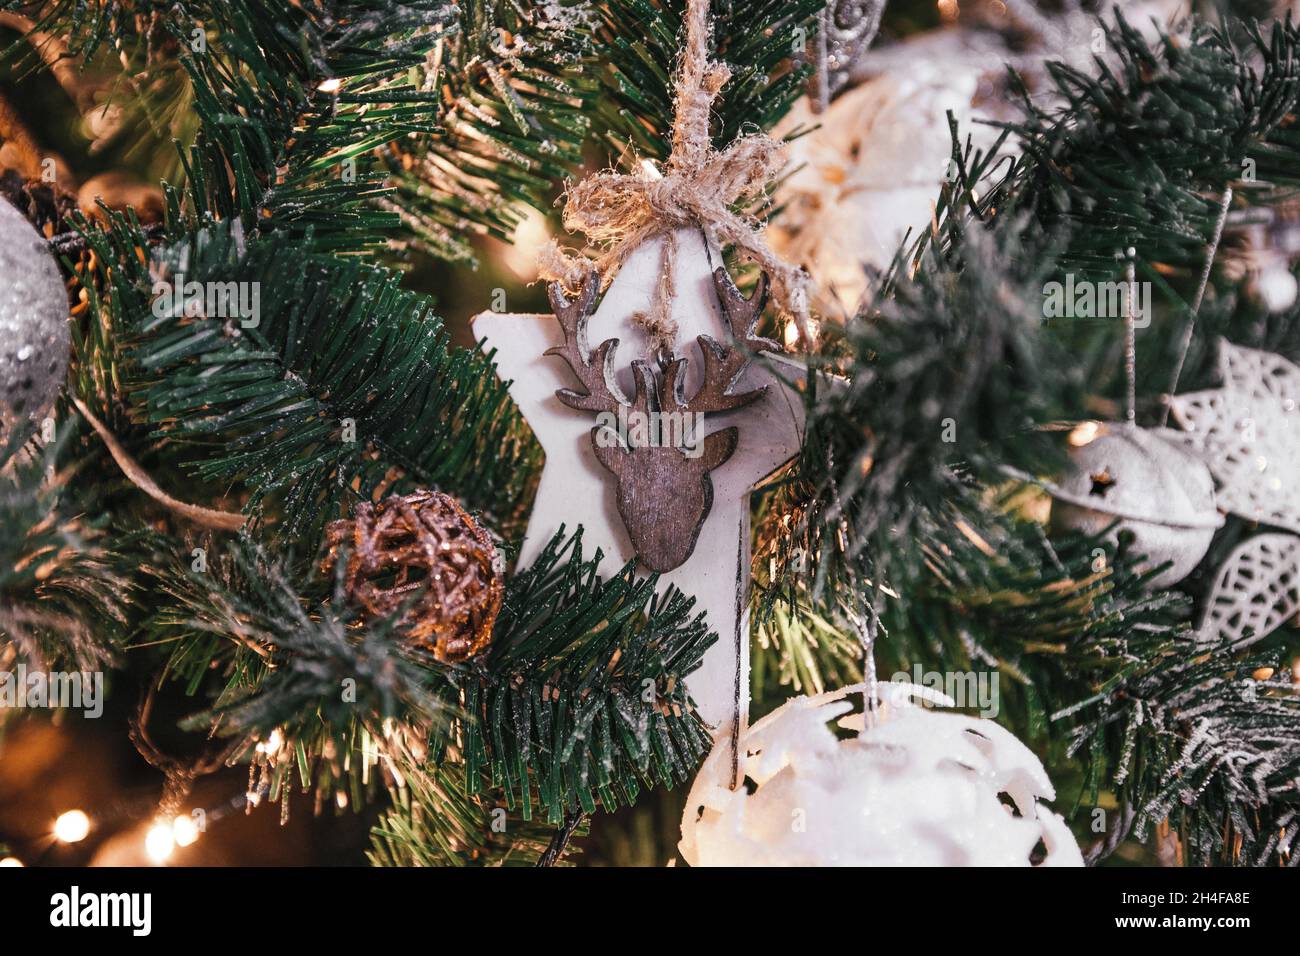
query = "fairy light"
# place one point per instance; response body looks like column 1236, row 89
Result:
column 159, row 842
column 1085, row 433
column 520, row 256
column 790, row 334
column 272, row 743
column 11, row 861
column 369, row 756
column 184, row 830
column 72, row 826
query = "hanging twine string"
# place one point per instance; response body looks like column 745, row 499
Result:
column 698, row 187
column 1225, row 204
column 658, row 323
column 1130, row 340
column 207, row 517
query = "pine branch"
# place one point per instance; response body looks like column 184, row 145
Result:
column 580, row 696
column 801, row 651
column 1098, row 668
column 1095, row 667
column 292, row 661
column 516, row 91
column 291, row 101
column 366, row 122
column 950, row 379
column 639, row 42
column 1190, row 736
column 583, row 695
column 287, row 675
column 1139, row 154
column 433, row 822
column 87, row 27
column 343, row 385
column 65, row 585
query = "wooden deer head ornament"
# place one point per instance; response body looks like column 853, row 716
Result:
column 652, row 442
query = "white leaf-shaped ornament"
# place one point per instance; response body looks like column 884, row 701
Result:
column 1257, row 590
column 1248, row 433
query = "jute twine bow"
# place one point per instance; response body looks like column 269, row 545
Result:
column 699, row 186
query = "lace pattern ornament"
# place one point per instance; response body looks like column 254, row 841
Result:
column 1248, row 433
column 920, row 787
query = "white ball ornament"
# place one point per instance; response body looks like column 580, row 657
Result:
column 34, row 336
column 867, row 174
column 920, row 787
column 1142, row 485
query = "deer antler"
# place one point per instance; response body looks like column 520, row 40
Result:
column 593, row 370
column 723, row 365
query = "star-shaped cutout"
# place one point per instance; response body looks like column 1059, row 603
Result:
column 1102, row 482
column 576, row 489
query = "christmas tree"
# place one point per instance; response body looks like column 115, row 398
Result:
column 567, row 432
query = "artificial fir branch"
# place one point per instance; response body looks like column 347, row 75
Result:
column 585, row 685
column 1138, row 155
column 422, row 120
column 950, row 381
column 801, row 650
column 581, row 696
column 1172, row 725
column 345, row 386
column 65, row 583
column 516, row 89
column 434, row 822
column 764, row 42
column 452, row 124
column 269, row 193
column 287, row 116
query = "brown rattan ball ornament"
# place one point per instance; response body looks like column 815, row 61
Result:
column 422, row 550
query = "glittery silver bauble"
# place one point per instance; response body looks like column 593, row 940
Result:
column 1158, row 493
column 34, row 338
